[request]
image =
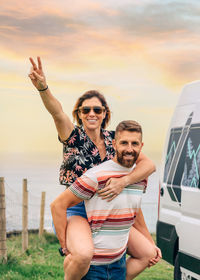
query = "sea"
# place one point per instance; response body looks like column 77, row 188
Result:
column 42, row 176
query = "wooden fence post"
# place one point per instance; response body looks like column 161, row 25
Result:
column 42, row 207
column 25, row 217
column 3, row 249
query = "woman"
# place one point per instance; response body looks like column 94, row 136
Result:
column 84, row 146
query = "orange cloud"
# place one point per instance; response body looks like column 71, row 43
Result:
column 136, row 52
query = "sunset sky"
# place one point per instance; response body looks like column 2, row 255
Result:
column 139, row 54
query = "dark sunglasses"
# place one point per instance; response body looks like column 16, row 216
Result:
column 86, row 109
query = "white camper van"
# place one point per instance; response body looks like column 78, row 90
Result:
column 178, row 226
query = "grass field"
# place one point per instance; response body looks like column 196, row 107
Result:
column 42, row 261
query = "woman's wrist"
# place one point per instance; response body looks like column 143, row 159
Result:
column 43, row 89
column 126, row 181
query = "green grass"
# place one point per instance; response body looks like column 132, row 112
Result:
column 42, row 261
column 161, row 271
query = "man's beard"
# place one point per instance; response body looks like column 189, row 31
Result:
column 127, row 162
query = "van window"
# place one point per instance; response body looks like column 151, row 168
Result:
column 186, row 163
column 192, row 163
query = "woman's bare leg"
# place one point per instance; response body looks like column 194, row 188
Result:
column 80, row 246
column 141, row 250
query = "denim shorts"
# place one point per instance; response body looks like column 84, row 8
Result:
column 77, row 210
column 113, row 271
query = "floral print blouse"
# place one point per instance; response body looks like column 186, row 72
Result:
column 80, row 154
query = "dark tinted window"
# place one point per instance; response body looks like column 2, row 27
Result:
column 182, row 167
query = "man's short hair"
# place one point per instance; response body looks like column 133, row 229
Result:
column 129, row 125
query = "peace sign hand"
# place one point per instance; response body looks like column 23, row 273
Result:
column 36, row 74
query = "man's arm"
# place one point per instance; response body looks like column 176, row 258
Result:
column 58, row 210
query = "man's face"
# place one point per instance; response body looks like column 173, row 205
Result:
column 127, row 147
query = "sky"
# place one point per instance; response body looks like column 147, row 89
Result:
column 139, row 54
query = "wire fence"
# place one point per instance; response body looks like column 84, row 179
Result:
column 13, row 201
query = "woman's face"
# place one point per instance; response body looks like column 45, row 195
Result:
column 92, row 120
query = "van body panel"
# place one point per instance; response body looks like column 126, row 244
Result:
column 179, row 204
column 166, row 238
column 190, row 263
column 189, row 224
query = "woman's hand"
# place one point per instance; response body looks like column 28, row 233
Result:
column 113, row 187
column 36, row 74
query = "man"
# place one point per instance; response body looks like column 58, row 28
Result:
column 110, row 222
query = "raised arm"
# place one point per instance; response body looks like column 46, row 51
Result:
column 58, row 210
column 144, row 168
column 63, row 123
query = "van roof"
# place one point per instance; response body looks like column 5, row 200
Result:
column 190, row 94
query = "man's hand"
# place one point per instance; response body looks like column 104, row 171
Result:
column 36, row 74
column 64, row 251
column 157, row 257
column 113, row 187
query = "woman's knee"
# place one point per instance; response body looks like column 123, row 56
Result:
column 80, row 259
column 151, row 251
column 85, row 257
column 139, row 246
column 83, row 253
column 144, row 250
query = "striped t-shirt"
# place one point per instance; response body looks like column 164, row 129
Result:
column 110, row 222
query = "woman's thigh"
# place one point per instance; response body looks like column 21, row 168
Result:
column 78, row 235
column 139, row 246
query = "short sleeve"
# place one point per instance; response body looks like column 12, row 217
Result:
column 142, row 184
column 73, row 135
column 84, row 187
